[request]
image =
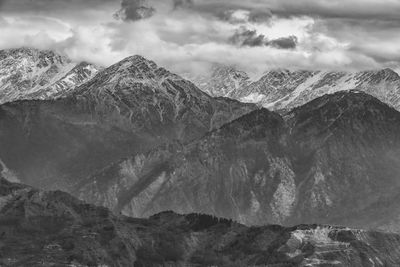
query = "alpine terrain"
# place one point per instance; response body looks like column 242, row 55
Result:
column 128, row 108
column 284, row 89
column 148, row 155
column 28, row 73
column 190, row 133
column 334, row 160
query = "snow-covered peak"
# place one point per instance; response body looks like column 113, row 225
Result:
column 284, row 89
column 376, row 76
column 42, row 57
column 28, row 73
column 133, row 70
column 136, row 60
column 221, row 81
column 135, row 77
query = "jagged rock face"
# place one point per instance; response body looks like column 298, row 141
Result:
column 321, row 163
column 222, row 81
column 27, row 73
column 126, row 109
column 155, row 99
column 284, row 89
column 272, row 86
column 65, row 86
column 52, row 228
column 382, row 84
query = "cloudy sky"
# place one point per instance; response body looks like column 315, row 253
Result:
column 191, row 35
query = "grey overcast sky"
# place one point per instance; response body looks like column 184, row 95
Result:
column 189, row 35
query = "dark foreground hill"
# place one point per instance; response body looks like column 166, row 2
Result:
column 40, row 228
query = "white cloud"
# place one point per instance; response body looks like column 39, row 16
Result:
column 192, row 36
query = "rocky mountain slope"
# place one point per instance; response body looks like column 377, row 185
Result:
column 40, row 228
column 222, row 81
column 128, row 108
column 284, row 89
column 28, row 73
column 333, row 160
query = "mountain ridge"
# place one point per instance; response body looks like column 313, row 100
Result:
column 285, row 89
column 52, row 228
column 263, row 167
column 28, row 73
column 129, row 107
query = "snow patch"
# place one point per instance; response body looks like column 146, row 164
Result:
column 253, row 98
column 8, row 174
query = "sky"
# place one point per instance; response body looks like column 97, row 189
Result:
column 189, row 36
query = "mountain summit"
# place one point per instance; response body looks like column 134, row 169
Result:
column 223, row 81
column 285, row 89
column 28, row 73
column 128, row 108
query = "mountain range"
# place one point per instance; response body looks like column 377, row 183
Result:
column 128, row 108
column 283, row 89
column 329, row 161
column 27, row 73
column 135, row 140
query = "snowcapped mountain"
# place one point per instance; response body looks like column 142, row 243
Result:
column 221, row 81
column 148, row 95
column 284, row 89
column 28, row 73
column 272, row 86
column 383, row 84
column 128, row 108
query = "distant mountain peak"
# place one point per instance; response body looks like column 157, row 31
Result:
column 30, row 73
column 284, row 89
column 137, row 69
column 44, row 55
column 377, row 76
column 222, row 80
column 138, row 59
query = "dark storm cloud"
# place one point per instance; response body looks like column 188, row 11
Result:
column 250, row 38
column 133, row 10
column 289, row 42
column 245, row 37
